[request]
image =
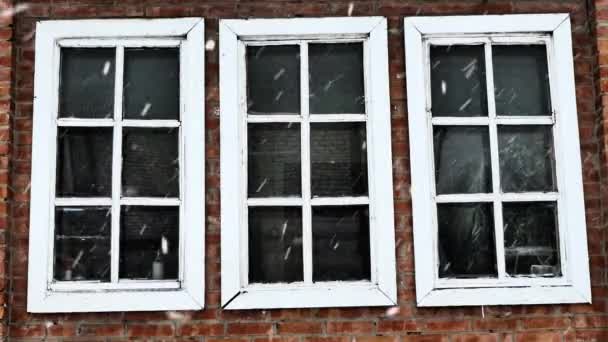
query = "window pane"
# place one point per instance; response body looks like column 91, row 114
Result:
column 82, row 243
column 336, row 78
column 526, row 158
column 341, row 242
column 274, row 160
column 151, row 84
column 86, row 87
column 521, row 80
column 466, row 240
column 275, row 244
column 338, row 153
column 462, row 159
column 273, row 79
column 531, row 239
column 458, row 81
column 150, row 166
column 149, row 242
column 84, row 162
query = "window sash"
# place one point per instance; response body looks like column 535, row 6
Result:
column 500, row 28
column 233, row 36
column 305, row 118
column 116, row 201
column 492, row 121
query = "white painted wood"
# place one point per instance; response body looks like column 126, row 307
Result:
column 150, row 201
column 193, row 151
column 117, row 28
column 274, row 118
column 497, row 205
column 342, row 295
column 503, row 197
column 317, row 201
column 86, row 201
column 236, row 292
column 422, row 187
column 123, row 285
column 112, row 41
column 459, row 121
column 274, row 201
column 117, row 163
column 338, row 118
column 305, row 165
column 98, row 301
column 46, row 295
column 74, row 122
column 570, row 172
column 230, row 164
column 150, row 123
column 302, row 28
column 524, row 120
column 554, row 31
column 483, row 24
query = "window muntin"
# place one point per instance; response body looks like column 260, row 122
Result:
column 307, row 156
column 130, row 168
column 105, row 233
column 487, row 163
column 334, row 160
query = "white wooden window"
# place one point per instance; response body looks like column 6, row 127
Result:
column 117, row 198
column 307, row 210
column 497, row 189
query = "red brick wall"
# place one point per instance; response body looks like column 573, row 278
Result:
column 403, row 323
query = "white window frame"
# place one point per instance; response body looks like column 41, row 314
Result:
column 236, row 293
column 187, row 293
column 554, row 31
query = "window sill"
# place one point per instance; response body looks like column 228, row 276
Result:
column 333, row 294
column 504, row 296
column 106, row 301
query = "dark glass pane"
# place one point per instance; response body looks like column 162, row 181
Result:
column 531, row 239
column 150, row 166
column 149, row 242
column 273, row 160
column 338, row 155
column 462, row 159
column 336, row 78
column 521, row 80
column 275, row 244
column 340, row 243
column 466, row 240
column 151, row 84
column 526, row 158
column 82, row 243
column 86, row 88
column 273, row 79
column 458, row 81
column 84, row 162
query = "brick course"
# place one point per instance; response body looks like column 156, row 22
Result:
column 404, row 323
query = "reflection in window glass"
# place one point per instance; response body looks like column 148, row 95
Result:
column 82, row 243
column 273, row 160
column 84, row 162
column 531, row 239
column 275, row 245
column 521, row 80
column 466, row 240
column 336, row 78
column 84, row 72
column 151, row 84
column 273, row 79
column 340, row 243
column 149, row 242
column 462, row 159
column 458, row 81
